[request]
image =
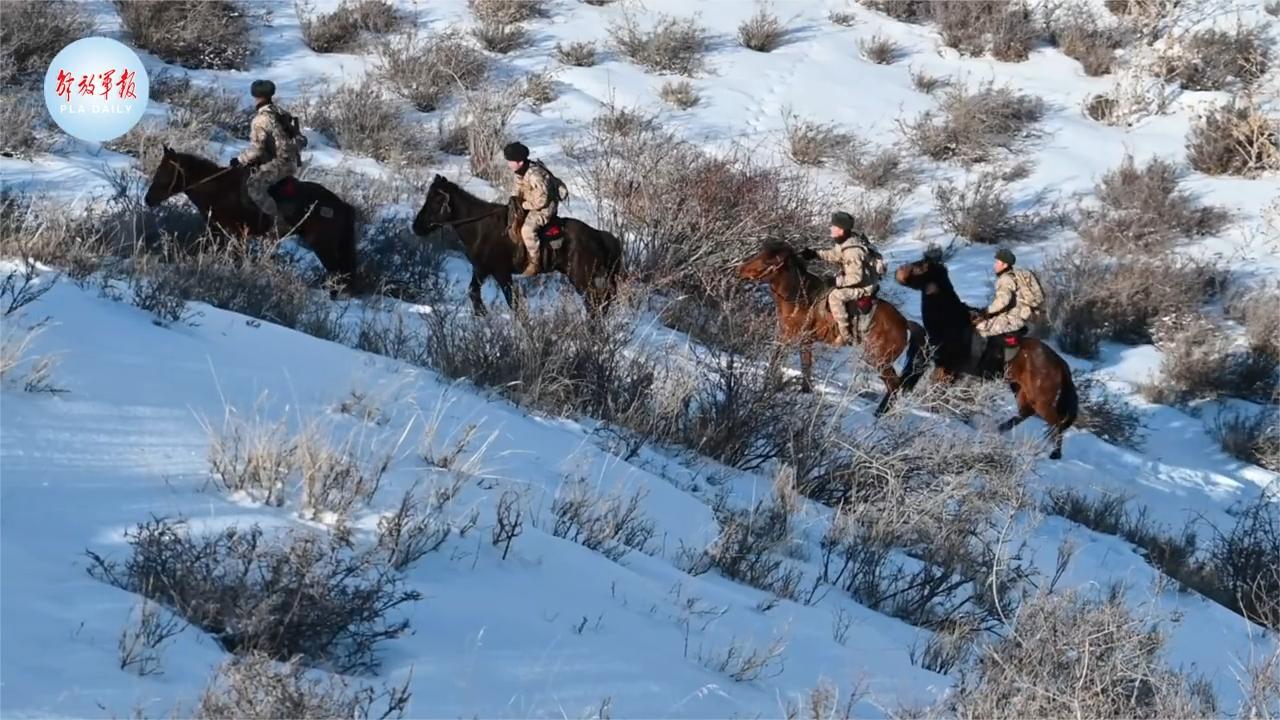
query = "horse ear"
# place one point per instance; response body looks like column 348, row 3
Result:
column 168, row 150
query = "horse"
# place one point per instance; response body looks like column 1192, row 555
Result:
column 1039, row 378
column 805, row 317
column 326, row 224
column 591, row 259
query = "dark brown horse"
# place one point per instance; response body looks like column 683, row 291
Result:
column 325, row 223
column 1039, row 377
column 591, row 259
column 805, row 318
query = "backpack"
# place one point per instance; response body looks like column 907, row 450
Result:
column 292, row 131
column 1030, row 291
column 874, row 266
column 558, row 189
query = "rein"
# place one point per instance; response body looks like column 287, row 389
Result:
column 182, row 171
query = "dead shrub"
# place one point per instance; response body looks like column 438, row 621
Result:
column 880, row 50
column 981, row 211
column 744, row 662
column 257, row 686
column 1258, row 310
column 33, row 32
column 337, row 477
column 876, row 215
column 843, row 18
column 402, row 264
column 297, row 596
column 451, row 136
column 886, row 168
column 1244, row 561
column 198, row 34
column 929, row 84
column 1251, row 437
column 577, row 54
column 1107, row 414
column 1069, row 654
column 249, row 456
column 23, row 123
column 753, row 543
column 1237, row 138
column 973, row 27
column 201, row 111
column 488, row 111
column 142, row 640
column 1077, row 31
column 416, row 527
column 911, row 11
column 670, row 45
column 426, row 69
column 375, row 16
column 500, row 37
column 611, row 523
column 762, row 32
column 972, row 124
column 812, row 143
column 336, row 31
column 1142, row 209
column 1093, row 298
column 507, row 11
column 539, row 88
column 1201, row 361
column 1215, row 59
column 680, row 94
column 360, row 119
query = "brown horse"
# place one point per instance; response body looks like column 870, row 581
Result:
column 804, row 317
column 591, row 259
column 1039, row 377
column 324, row 221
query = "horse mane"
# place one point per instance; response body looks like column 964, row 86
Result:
column 811, row 283
column 444, row 183
column 198, row 163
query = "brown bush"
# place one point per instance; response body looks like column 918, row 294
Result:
column 876, row 215
column 1092, row 298
column 33, row 32
column 488, row 111
column 506, row 12
column 23, row 123
column 975, row 26
column 427, row 69
column 880, row 50
column 753, row 543
column 611, row 523
column 200, row 111
column 671, row 45
column 881, row 170
column 1201, row 361
column 336, row 31
column 1234, row 139
column 1107, row 415
column 680, row 94
column 813, row 143
column 1251, row 437
column 762, row 32
column 577, row 54
column 981, row 211
column 842, row 18
column 257, row 686
column 360, row 119
column 539, row 88
column 1145, row 208
column 200, row 34
column 1213, row 59
column 928, row 84
column 972, row 124
column 500, row 37
column 1078, row 32
column 912, row 11
column 1258, row 310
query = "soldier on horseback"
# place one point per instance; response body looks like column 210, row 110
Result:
column 861, row 268
column 538, row 192
column 275, row 147
column 1018, row 299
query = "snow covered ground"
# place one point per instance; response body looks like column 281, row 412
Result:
column 555, row 629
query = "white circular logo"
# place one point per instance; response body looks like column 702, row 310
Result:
column 96, row 89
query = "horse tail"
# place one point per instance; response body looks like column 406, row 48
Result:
column 1068, row 405
column 916, row 361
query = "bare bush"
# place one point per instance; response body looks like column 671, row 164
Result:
column 336, row 31
column 611, row 523
column 973, row 27
column 981, row 211
column 752, row 544
column 1142, row 209
column 876, row 215
column 23, row 124
column 680, row 94
column 488, row 111
column 335, row 478
column 880, row 50
column 812, row 143
column 671, row 45
column 451, row 136
column 1076, row 29
column 360, row 119
column 842, row 18
column 1234, row 139
column 1244, row 561
column 425, row 69
column 200, row 110
column 508, row 521
column 1068, row 654
column 416, row 527
column 1107, row 414
column 1251, row 437
column 539, row 88
column 247, row 455
column 402, row 264
column 1200, row 360
column 744, row 662
column 1214, row 59
column 972, row 124
column 500, row 37
column 1256, row 309
column 299, row 596
column 912, row 11
column 200, row 34
column 33, row 32
column 762, row 32
column 577, row 54
column 142, row 641
column 507, row 11
column 375, row 16
column 886, row 168
column 256, row 686
column 928, row 84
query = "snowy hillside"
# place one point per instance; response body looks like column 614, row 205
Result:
column 596, row 559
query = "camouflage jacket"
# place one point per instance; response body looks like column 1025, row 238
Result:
column 268, row 139
column 533, row 187
column 1006, row 294
column 860, row 265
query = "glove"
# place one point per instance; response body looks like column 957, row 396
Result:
column 235, row 162
column 808, row 254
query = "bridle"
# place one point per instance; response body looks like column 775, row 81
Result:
column 447, row 207
column 182, row 174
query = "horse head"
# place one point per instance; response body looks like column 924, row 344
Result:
column 928, row 270
column 167, row 180
column 436, row 209
column 768, row 262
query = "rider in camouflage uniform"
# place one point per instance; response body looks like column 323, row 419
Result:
column 861, row 268
column 534, row 191
column 1005, row 314
column 272, row 153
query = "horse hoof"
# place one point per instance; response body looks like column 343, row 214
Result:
column 1055, row 455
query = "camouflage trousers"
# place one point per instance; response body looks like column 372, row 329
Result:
column 534, row 221
column 1004, row 323
column 838, row 301
column 262, row 178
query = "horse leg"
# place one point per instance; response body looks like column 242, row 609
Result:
column 1025, row 410
column 1048, row 412
column 508, row 292
column 892, row 382
column 806, row 369
column 473, row 291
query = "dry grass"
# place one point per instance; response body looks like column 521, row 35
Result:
column 1251, row 437
column 1144, row 208
column 929, row 84
column 982, row 211
column 1214, row 59
column 488, row 111
column 1077, row 30
column 911, row 11
column 880, row 50
column 1107, row 415
column 339, row 31
column 539, row 88
column 842, row 18
column 500, row 37
column 883, row 169
column 670, row 45
column 256, row 686
column 23, row 123
column 970, row 125
column 762, row 32
column 680, row 94
column 200, row 111
column 1238, row 138
column 199, row 34
column 974, row 27
column 812, row 143
column 506, row 12
column 876, row 215
column 361, row 119
column 1201, row 361
column 577, row 53
column 428, row 69
column 33, row 32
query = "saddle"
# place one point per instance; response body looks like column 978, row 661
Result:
column 997, row 351
column 550, row 236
